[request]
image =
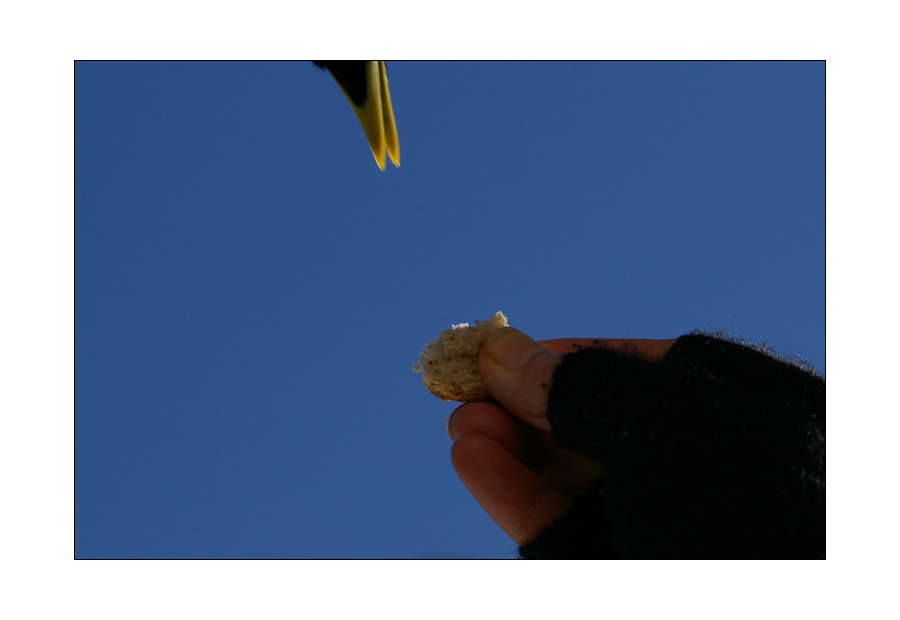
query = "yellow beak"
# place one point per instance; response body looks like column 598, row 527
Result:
column 374, row 111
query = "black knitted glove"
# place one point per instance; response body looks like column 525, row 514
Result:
column 717, row 451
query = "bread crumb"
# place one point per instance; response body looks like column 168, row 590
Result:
column 449, row 363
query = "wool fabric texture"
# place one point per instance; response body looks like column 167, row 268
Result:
column 717, row 451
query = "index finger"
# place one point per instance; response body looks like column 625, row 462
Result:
column 650, row 350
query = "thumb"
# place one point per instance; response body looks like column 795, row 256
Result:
column 517, row 371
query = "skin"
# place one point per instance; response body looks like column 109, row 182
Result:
column 505, row 455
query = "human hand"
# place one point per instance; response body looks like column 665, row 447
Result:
column 505, row 455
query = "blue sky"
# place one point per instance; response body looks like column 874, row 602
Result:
column 251, row 291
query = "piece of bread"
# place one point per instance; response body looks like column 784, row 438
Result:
column 449, row 363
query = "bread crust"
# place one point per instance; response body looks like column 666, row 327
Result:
column 449, row 363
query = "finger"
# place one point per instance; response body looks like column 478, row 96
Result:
column 512, row 496
column 517, row 371
column 650, row 350
column 520, row 439
column 567, row 472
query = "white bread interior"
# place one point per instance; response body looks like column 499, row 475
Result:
column 449, row 363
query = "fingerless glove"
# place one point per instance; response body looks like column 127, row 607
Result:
column 717, row 451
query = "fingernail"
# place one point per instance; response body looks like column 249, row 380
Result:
column 451, row 433
column 511, row 348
